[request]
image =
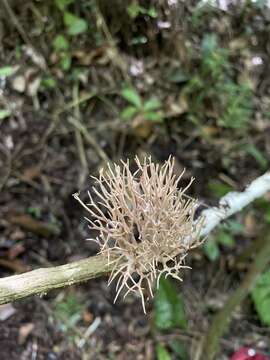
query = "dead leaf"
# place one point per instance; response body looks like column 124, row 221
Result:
column 35, row 56
column 8, row 142
column 33, row 86
column 19, row 83
column 250, row 224
column 33, row 80
column 17, row 235
column 33, row 225
column 238, row 44
column 176, row 107
column 6, row 311
column 24, row 331
column 15, row 251
column 31, row 173
column 143, row 130
column 88, row 317
column 210, row 130
column 87, row 58
column 15, row 265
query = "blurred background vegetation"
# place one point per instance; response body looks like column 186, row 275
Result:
column 83, row 83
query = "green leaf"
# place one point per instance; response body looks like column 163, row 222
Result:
column 260, row 4
column 77, row 73
column 68, row 312
column 234, row 227
column 258, row 155
column 74, row 24
column 211, row 249
column 133, row 10
column 162, row 353
column 226, row 239
column 177, row 76
column 267, row 216
column 62, row 4
column 48, row 82
column 129, row 112
column 209, row 43
column 218, row 189
column 138, row 40
column 156, row 116
column 264, row 206
column 60, row 43
column 169, row 307
column 132, row 96
column 261, row 297
column 6, row 71
column 36, row 211
column 179, row 349
column 152, row 12
column 4, row 114
column 152, row 104
column 69, row 307
column 65, row 62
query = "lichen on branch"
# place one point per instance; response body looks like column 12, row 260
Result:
column 145, row 222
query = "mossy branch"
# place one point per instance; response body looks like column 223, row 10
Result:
column 42, row 280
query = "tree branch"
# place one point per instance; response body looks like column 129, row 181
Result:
column 41, row 281
column 234, row 202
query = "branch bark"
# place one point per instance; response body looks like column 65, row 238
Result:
column 41, row 281
column 234, row 202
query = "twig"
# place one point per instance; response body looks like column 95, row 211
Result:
column 16, row 22
column 90, row 330
column 77, row 102
column 78, row 125
column 115, row 55
column 222, row 319
column 7, row 167
column 11, row 15
column 43, row 280
column 79, row 140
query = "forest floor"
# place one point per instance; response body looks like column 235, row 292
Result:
column 198, row 83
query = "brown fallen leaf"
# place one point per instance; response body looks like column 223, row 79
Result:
column 35, row 56
column 24, row 331
column 238, row 44
column 15, row 251
column 176, row 107
column 88, row 317
column 17, row 235
column 19, row 83
column 33, row 225
column 143, row 130
column 15, row 265
column 86, row 58
column 31, row 173
column 251, row 224
column 210, row 130
column 6, row 311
